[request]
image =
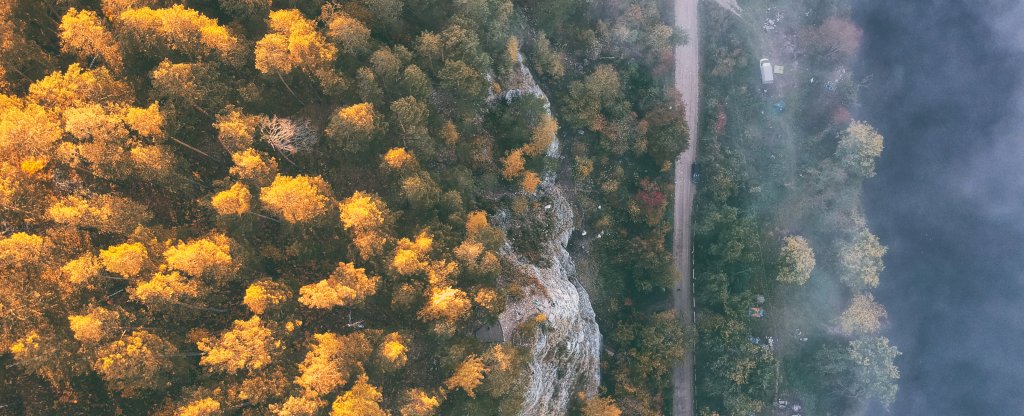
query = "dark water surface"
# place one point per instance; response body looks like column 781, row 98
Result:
column 947, row 91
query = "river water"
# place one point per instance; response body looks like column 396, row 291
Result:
column 946, row 91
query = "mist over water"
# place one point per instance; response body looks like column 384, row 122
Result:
column 947, row 92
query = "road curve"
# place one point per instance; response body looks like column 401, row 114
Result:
column 687, row 80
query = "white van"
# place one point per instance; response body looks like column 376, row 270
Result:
column 767, row 75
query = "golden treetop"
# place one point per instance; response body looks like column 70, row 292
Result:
column 332, row 361
column 419, row 403
column 397, row 158
column 394, row 349
column 264, row 295
column 232, row 201
column 22, row 249
column 202, row 407
column 253, row 167
column 211, row 254
column 235, row 130
column 293, row 43
column 247, row 345
column 165, row 287
column 296, row 198
column 83, row 32
column 363, row 399
column 363, row 212
column 468, row 376
column 347, row 285
column 95, row 325
column 180, row 28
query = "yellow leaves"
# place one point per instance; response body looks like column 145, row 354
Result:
column 358, row 117
column 206, row 255
column 264, row 295
column 296, row 198
column 348, row 33
column 94, row 122
column 600, row 406
column 298, row 406
column 513, row 165
column 126, row 259
column 410, row 255
column 107, row 213
column 248, row 345
column 27, row 131
column 397, row 158
column 92, row 327
column 253, row 167
column 394, row 350
column 235, row 130
column 165, row 287
column 331, row 362
column 363, row 212
column 468, row 376
column 488, row 299
column 530, row 182
column 33, row 165
column 293, row 43
column 542, row 137
column 83, row 33
column 347, row 286
column 233, row 201
column 82, row 269
column 362, row 400
column 25, row 345
column 864, row 316
column 147, row 122
column 447, row 305
column 21, row 249
column 202, row 407
column 76, row 88
column 419, row 403
column 134, row 362
column 182, row 29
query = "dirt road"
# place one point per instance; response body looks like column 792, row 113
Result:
column 687, row 77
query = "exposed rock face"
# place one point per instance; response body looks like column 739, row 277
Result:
column 565, row 349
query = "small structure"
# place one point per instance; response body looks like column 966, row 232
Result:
column 756, row 312
column 767, row 74
column 780, row 70
column 490, row 333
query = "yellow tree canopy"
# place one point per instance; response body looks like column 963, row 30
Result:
column 22, row 249
column 298, row 406
column 209, row 255
column 363, row 212
column 167, row 287
column 82, row 269
column 358, row 117
column 419, row 403
column 398, row 158
column 530, row 182
column 468, row 376
column 106, row 213
column 347, row 286
column 363, row 399
column 146, row 122
column 411, row 255
column 232, row 201
column 332, row 361
column 94, row 326
column 296, row 198
column 864, row 316
column 201, row 407
column 600, row 406
column 347, row 32
column 84, row 34
column 447, row 305
column 513, row 165
column 542, row 137
column 76, row 88
column 27, row 130
column 235, row 130
column 264, row 295
column 797, row 260
column 126, row 259
column 181, row 29
column 253, row 167
column 137, row 361
column 293, row 43
column 248, row 345
column 393, row 350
